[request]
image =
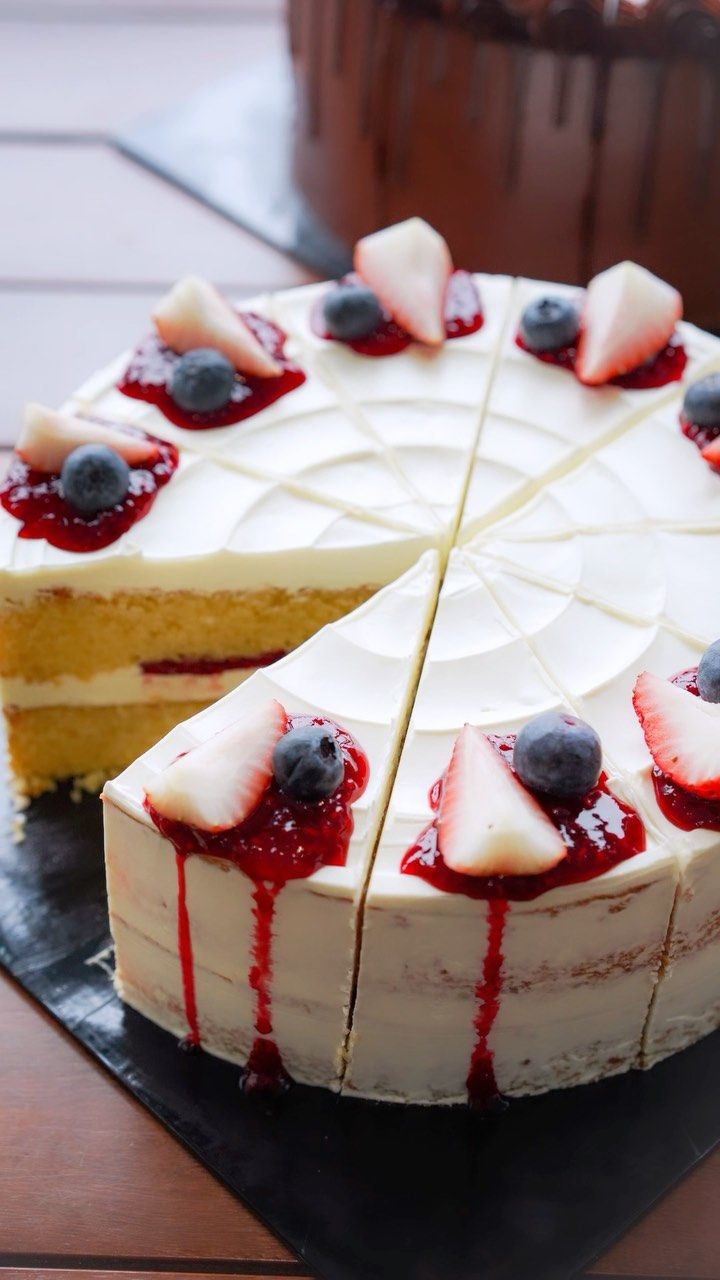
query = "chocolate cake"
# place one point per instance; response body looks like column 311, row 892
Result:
column 547, row 137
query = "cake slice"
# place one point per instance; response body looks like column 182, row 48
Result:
column 597, row 655
column 293, row 502
column 541, row 421
column 513, row 984
column 219, row 937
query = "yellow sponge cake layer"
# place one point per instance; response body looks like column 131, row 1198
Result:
column 50, row 743
column 82, row 634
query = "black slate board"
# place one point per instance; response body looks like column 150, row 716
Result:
column 360, row 1191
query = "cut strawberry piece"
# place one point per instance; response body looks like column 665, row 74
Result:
column 219, row 783
column 682, row 732
column 194, row 314
column 711, row 452
column 488, row 823
column 629, row 316
column 47, row 438
column 408, row 266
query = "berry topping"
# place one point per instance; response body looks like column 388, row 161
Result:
column 629, row 316
column 682, row 733
column 216, row 785
column 708, row 674
column 488, row 824
column 47, row 438
column 701, row 405
column 558, row 754
column 94, row 478
column 408, row 267
column 202, row 381
column 711, row 453
column 193, row 314
column 351, row 312
column 308, row 763
column 547, row 324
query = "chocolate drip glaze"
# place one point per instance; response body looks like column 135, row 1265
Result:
column 547, row 138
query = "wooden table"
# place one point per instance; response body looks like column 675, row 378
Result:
column 90, row 1184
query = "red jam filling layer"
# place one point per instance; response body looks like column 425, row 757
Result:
column 463, row 315
column 667, row 366
column 281, row 840
column 700, row 436
column 35, row 498
column 211, row 666
column 148, row 376
column 599, row 832
column 681, row 807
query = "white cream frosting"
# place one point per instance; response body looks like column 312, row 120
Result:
column 344, row 481
column 359, row 672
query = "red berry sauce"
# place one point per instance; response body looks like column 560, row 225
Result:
column 36, row 499
column 283, row 839
column 681, row 807
column 463, row 315
column 667, row 366
column 211, row 666
column 148, row 376
column 599, row 831
column 700, row 436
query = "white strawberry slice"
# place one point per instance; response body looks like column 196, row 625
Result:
column 682, row 733
column 488, row 823
column 408, row 266
column 194, row 314
column 629, row 315
column 219, row 783
column 711, row 452
column 48, row 437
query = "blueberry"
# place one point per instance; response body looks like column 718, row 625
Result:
column 558, row 754
column 547, row 324
column 202, row 381
column 307, row 763
column 351, row 311
column 701, row 405
column 94, row 478
column 708, row 674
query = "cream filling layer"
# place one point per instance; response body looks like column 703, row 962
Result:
column 125, row 685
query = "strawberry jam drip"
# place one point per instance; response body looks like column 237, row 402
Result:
column 151, row 367
column 281, row 840
column 599, row 832
column 700, row 436
column 667, row 366
column 463, row 315
column 681, row 807
column 36, row 499
column 211, row 666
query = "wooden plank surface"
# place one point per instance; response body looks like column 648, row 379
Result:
column 90, row 1184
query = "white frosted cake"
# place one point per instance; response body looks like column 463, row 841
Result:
column 460, row 842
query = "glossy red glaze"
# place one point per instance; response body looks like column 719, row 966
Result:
column 463, row 315
column 667, row 366
column 681, row 807
column 36, row 499
column 282, row 840
column 148, row 375
column 700, row 436
column 210, row 666
column 599, row 832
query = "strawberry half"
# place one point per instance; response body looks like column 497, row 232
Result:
column 47, row 438
column 629, row 316
column 408, row 266
column 488, row 823
column 217, row 784
column 682, row 733
column 194, row 314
